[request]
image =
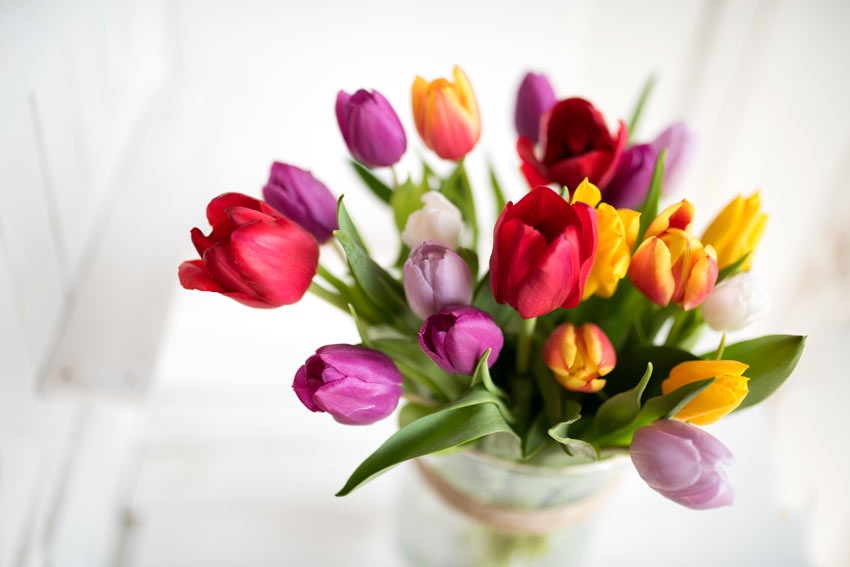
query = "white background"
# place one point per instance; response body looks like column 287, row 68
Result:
column 145, row 425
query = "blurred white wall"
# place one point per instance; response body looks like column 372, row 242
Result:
column 120, row 119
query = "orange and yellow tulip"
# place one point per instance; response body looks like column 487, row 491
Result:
column 446, row 115
column 671, row 264
column 736, row 230
column 578, row 356
column 724, row 394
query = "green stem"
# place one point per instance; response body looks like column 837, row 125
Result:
column 328, row 296
column 719, row 354
column 523, row 347
column 395, row 177
column 340, row 285
column 675, row 331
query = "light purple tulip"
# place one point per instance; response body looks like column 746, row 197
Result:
column 681, row 143
column 436, row 276
column 303, row 199
column 534, row 98
column 458, row 336
column 356, row 385
column 370, row 127
column 683, row 463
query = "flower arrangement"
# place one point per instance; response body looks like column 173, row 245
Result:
column 571, row 344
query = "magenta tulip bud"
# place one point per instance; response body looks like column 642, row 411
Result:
column 630, row 183
column 681, row 144
column 436, row 276
column 356, row 385
column 683, row 463
column 303, row 199
column 370, row 127
column 534, row 98
column 458, row 336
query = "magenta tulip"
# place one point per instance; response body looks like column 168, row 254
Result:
column 370, row 127
column 534, row 98
column 302, row 198
column 458, row 336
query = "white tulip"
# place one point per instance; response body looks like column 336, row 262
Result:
column 438, row 220
column 735, row 303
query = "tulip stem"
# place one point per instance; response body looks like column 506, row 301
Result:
column 719, row 354
column 523, row 347
column 328, row 296
column 395, row 177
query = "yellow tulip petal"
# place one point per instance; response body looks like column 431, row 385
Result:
column 586, row 192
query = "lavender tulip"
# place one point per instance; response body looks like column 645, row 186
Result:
column 534, row 98
column 683, row 463
column 303, row 199
column 681, row 143
column 356, row 385
column 458, row 336
column 370, row 127
column 436, row 276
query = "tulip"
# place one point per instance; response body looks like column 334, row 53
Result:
column 458, row 336
column 446, row 115
column 254, row 254
column 735, row 303
column 436, row 276
column 618, row 231
column 356, row 385
column 671, row 264
column 683, row 463
column 370, row 127
column 681, row 144
column 438, row 220
column 575, row 144
column 302, row 198
column 736, row 230
column 578, row 356
column 723, row 395
column 534, row 98
column 543, row 250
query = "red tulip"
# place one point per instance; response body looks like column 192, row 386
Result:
column 575, row 143
column 253, row 254
column 543, row 250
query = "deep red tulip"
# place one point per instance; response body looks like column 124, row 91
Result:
column 543, row 250
column 254, row 254
column 575, row 143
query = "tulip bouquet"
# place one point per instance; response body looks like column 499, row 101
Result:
column 572, row 342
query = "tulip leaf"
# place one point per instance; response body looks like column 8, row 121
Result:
column 621, row 409
column 405, row 200
column 641, row 102
column 378, row 187
column 649, row 209
column 631, row 364
column 772, row 358
column 347, row 225
column 456, row 188
column 483, row 299
column 411, row 412
column 550, row 390
column 364, row 337
column 536, row 437
column 482, row 376
column 471, row 417
column 498, row 195
column 573, row 447
column 732, row 269
column 471, row 259
column 415, row 365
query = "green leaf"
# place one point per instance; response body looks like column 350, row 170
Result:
column 347, row 225
column 415, row 365
column 732, row 268
column 633, row 363
column 621, row 409
column 378, row 187
column 550, row 390
column 364, row 337
column 405, row 200
column 771, row 358
column 641, row 101
column 573, row 447
column 411, row 412
column 498, row 195
column 482, row 376
column 536, row 437
column 484, row 300
column 456, row 189
column 469, row 418
column 471, row 259
column 649, row 209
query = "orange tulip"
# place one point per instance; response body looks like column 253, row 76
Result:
column 446, row 115
column 578, row 356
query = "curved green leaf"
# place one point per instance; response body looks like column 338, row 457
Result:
column 621, row 409
column 378, row 187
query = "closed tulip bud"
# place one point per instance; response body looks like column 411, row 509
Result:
column 458, row 336
column 723, row 395
column 438, row 220
column 254, row 254
column 436, row 276
column 446, row 115
column 356, row 385
column 370, row 127
column 302, row 198
column 618, row 231
column 543, row 250
column 579, row 356
column 735, row 303
column 534, row 98
column 671, row 264
column 683, row 463
column 737, row 230
column 681, row 144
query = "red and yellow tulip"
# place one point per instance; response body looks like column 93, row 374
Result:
column 578, row 356
column 724, row 394
column 446, row 115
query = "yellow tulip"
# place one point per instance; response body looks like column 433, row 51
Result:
column 617, row 232
column 446, row 115
column 736, row 230
column 724, row 394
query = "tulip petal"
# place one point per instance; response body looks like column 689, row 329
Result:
column 367, row 364
column 666, row 462
column 354, row 402
column 303, row 391
column 650, row 271
column 194, row 275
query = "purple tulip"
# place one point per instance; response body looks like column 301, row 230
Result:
column 303, row 199
column 458, row 336
column 534, row 98
column 683, row 463
column 370, row 127
column 628, row 188
column 436, row 276
column 681, row 143
column 356, row 385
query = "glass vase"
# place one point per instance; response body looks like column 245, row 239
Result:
column 471, row 509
